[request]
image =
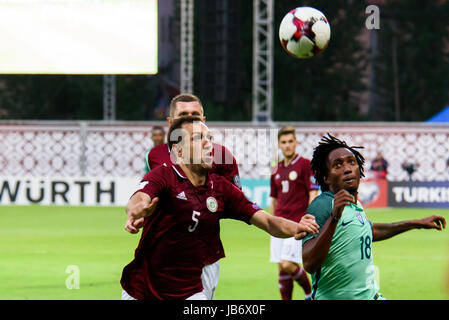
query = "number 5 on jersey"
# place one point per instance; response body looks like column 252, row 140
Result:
column 195, row 214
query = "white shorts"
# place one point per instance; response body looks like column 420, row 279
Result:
column 209, row 277
column 197, row 296
column 288, row 249
column 126, row 296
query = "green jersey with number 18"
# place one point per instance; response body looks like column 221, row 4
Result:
column 348, row 271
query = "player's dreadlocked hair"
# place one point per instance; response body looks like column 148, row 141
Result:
column 321, row 152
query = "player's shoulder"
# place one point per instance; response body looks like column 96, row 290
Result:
column 322, row 204
column 158, row 149
column 276, row 168
column 302, row 162
column 274, row 171
column 161, row 170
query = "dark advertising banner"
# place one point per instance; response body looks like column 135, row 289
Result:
column 431, row 194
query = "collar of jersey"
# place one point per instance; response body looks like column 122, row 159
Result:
column 181, row 174
column 179, row 171
column 292, row 162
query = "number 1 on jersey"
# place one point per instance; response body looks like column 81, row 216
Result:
column 284, row 184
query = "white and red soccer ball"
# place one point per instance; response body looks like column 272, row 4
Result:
column 304, row 32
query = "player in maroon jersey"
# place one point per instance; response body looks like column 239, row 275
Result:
column 224, row 164
column 292, row 190
column 179, row 207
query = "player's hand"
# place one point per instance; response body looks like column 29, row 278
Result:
column 133, row 225
column 142, row 209
column 432, row 222
column 341, row 199
column 307, row 225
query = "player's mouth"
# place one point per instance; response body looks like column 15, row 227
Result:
column 349, row 180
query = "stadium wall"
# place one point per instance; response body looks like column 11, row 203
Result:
column 84, row 156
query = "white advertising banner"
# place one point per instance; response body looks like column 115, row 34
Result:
column 89, row 191
column 79, row 36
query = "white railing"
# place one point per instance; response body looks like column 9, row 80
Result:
column 103, row 149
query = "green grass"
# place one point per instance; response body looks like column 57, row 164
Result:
column 37, row 243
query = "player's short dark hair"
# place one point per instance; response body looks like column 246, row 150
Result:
column 185, row 97
column 177, row 124
column 157, row 128
column 286, row 130
column 320, row 158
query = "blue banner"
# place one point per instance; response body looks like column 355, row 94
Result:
column 416, row 194
column 257, row 190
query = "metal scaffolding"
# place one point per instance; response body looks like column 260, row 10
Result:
column 262, row 97
column 186, row 75
column 109, row 97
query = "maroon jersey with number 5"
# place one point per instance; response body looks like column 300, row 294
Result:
column 175, row 239
column 224, row 165
column 291, row 185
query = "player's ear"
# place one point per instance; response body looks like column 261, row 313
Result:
column 169, row 121
column 177, row 152
column 176, row 149
column 203, row 119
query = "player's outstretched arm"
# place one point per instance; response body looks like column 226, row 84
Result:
column 315, row 250
column 382, row 231
column 284, row 228
column 273, row 204
column 139, row 206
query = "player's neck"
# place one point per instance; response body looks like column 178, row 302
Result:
column 195, row 173
column 288, row 160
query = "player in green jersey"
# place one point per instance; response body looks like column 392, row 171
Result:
column 340, row 256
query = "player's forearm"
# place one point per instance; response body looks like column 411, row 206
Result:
column 275, row 226
column 382, row 231
column 273, row 204
column 315, row 251
column 133, row 208
column 281, row 228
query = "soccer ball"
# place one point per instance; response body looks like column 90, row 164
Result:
column 304, row 32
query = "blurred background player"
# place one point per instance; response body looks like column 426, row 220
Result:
column 224, row 164
column 379, row 166
column 179, row 207
column 292, row 190
column 340, row 257
column 158, row 138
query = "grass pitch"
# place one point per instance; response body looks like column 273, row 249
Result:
column 39, row 243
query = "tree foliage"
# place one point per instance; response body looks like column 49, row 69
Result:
column 422, row 35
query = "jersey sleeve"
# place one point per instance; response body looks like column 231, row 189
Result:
column 321, row 209
column 237, row 206
column 154, row 182
column 273, row 188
